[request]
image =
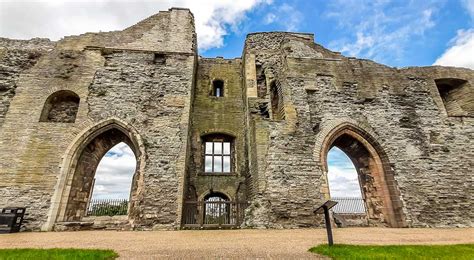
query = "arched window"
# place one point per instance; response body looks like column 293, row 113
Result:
column 218, row 88
column 276, row 99
column 456, row 96
column 217, row 209
column 218, row 153
column 60, row 106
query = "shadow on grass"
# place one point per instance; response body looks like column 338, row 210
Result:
column 458, row 252
column 57, row 253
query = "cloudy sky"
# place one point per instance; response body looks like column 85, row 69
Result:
column 394, row 32
column 342, row 175
column 114, row 174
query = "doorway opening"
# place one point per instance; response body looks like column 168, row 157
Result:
column 111, row 187
column 368, row 190
column 345, row 188
column 87, row 194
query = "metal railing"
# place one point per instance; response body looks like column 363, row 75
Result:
column 107, row 207
column 213, row 213
column 349, row 205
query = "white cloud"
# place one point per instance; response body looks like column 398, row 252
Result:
column 343, row 182
column 213, row 17
column 469, row 5
column 55, row 19
column 461, row 51
column 342, row 175
column 269, row 18
column 286, row 16
column 114, row 174
column 381, row 29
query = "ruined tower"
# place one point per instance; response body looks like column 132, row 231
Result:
column 229, row 142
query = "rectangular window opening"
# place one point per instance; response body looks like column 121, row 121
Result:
column 217, row 156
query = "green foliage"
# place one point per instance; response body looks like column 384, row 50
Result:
column 57, row 253
column 107, row 209
column 458, row 252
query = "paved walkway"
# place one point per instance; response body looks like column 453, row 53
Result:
column 230, row 244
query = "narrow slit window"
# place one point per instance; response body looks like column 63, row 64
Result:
column 218, row 88
column 276, row 100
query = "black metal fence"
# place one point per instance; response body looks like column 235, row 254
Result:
column 213, row 213
column 107, row 207
column 349, row 205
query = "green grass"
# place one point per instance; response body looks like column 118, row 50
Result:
column 56, row 253
column 458, row 252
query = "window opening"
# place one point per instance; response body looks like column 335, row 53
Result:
column 218, row 88
column 61, row 106
column 455, row 96
column 276, row 100
column 218, row 156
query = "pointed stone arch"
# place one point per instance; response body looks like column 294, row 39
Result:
column 80, row 162
column 379, row 188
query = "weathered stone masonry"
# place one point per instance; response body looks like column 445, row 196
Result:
column 288, row 100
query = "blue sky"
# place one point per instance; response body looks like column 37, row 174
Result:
column 397, row 33
column 394, row 32
column 342, row 175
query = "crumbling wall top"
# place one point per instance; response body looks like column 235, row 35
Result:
column 166, row 31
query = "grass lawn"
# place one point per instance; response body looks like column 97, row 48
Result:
column 457, row 252
column 56, row 253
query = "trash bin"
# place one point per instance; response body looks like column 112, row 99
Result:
column 11, row 219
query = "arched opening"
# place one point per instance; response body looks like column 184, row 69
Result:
column 111, row 187
column 345, row 188
column 374, row 174
column 218, row 88
column 61, row 106
column 76, row 197
column 276, row 100
column 216, row 209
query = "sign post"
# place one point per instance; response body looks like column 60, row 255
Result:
column 325, row 209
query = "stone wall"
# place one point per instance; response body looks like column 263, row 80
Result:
column 142, row 89
column 428, row 152
column 154, row 99
column 16, row 57
column 409, row 131
column 218, row 115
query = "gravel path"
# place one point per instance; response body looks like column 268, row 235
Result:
column 230, row 244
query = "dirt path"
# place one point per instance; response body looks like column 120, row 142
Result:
column 230, row 244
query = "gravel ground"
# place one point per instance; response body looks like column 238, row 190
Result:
column 230, row 244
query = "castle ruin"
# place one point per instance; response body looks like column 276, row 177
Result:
column 249, row 134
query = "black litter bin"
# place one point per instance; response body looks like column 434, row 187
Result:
column 11, row 219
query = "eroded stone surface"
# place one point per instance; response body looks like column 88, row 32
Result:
column 285, row 104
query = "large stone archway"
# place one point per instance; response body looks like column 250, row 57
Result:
column 80, row 164
column 378, row 186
